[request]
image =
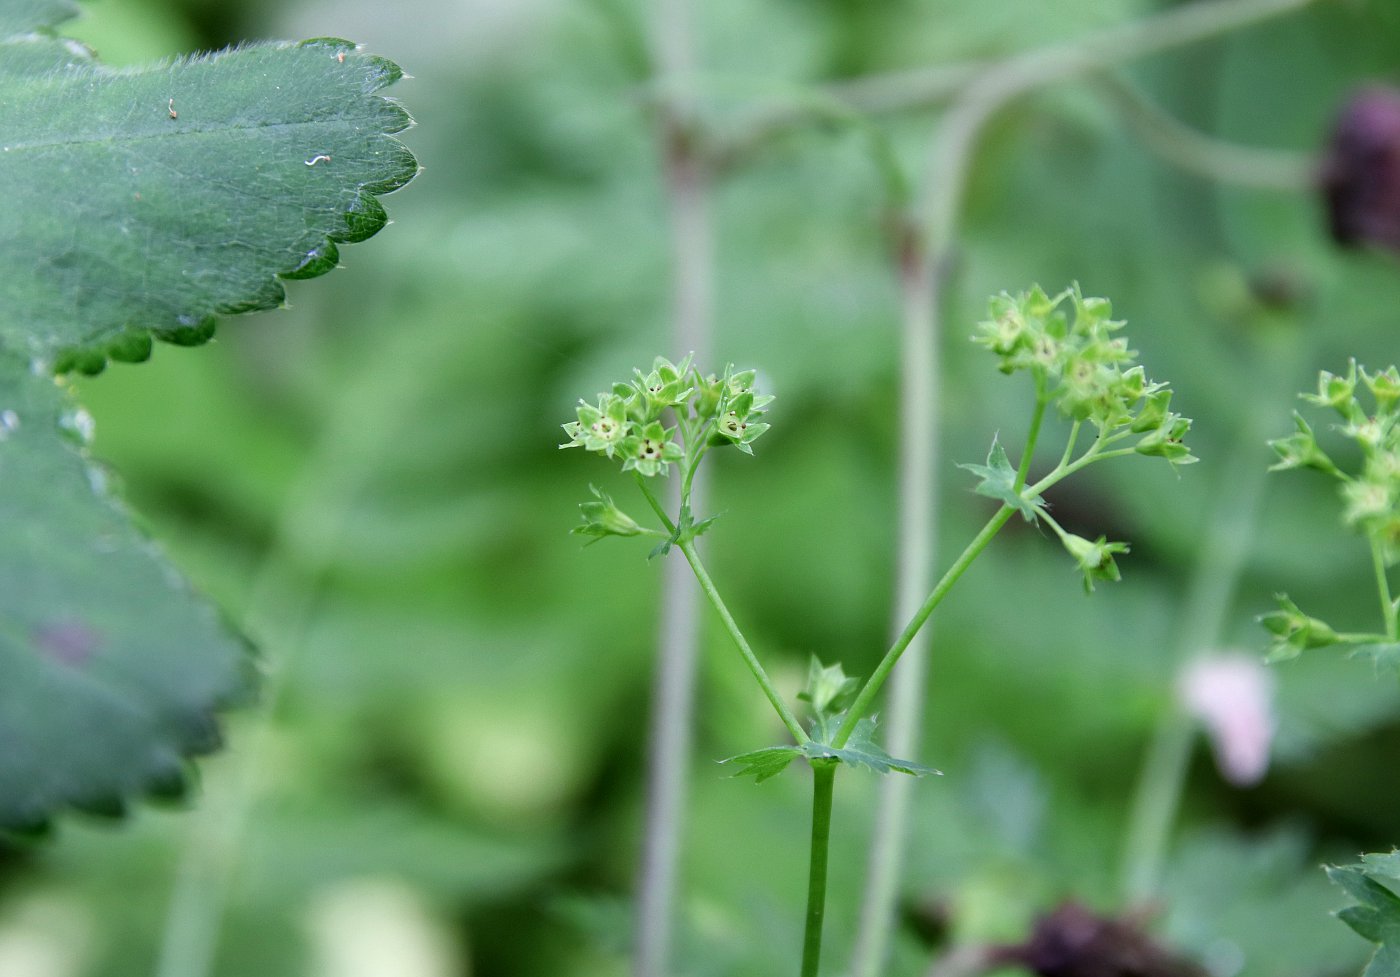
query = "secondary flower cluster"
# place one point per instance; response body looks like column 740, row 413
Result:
column 1372, row 496
column 1371, row 500
column 1067, row 344
column 630, row 424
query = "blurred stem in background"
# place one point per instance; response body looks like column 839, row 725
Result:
column 1220, row 563
column 932, row 232
column 277, row 615
column 686, row 180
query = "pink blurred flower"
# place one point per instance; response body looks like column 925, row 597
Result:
column 1232, row 696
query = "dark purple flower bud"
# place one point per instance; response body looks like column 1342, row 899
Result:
column 1361, row 172
column 1073, row 941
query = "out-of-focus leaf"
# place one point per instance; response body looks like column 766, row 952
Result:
column 112, row 666
column 141, row 203
column 18, row 16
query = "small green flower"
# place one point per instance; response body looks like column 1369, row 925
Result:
column 1153, row 413
column 1168, row 441
column 602, row 428
column 1095, row 559
column 602, row 517
column 665, row 386
column 1336, row 392
column 650, row 451
column 1384, row 387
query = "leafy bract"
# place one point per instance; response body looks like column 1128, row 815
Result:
column 999, row 482
column 764, row 763
column 860, row 751
column 1376, row 917
column 139, row 204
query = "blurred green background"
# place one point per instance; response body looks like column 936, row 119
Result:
column 451, row 781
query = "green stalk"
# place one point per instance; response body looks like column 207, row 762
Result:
column 1031, row 439
column 882, row 671
column 687, row 546
column 823, row 783
column 1392, row 626
column 671, row 55
column 979, row 543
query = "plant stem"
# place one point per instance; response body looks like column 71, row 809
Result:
column 686, row 178
column 668, row 768
column 916, row 546
column 1383, row 586
column 1031, row 438
column 823, row 783
column 1195, row 152
column 687, row 546
column 862, row 702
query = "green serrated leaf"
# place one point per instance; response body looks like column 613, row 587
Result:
column 1377, row 917
column 154, row 199
column 137, row 204
column 861, row 751
column 113, row 667
column 999, row 482
column 765, row 763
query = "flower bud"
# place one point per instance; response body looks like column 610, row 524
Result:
column 1360, row 178
column 1294, row 632
column 602, row 517
column 1095, row 559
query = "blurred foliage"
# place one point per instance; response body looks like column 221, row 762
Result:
column 457, row 744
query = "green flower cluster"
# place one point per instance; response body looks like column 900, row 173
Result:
column 1067, row 344
column 1371, row 496
column 627, row 423
column 630, row 424
column 1371, row 503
